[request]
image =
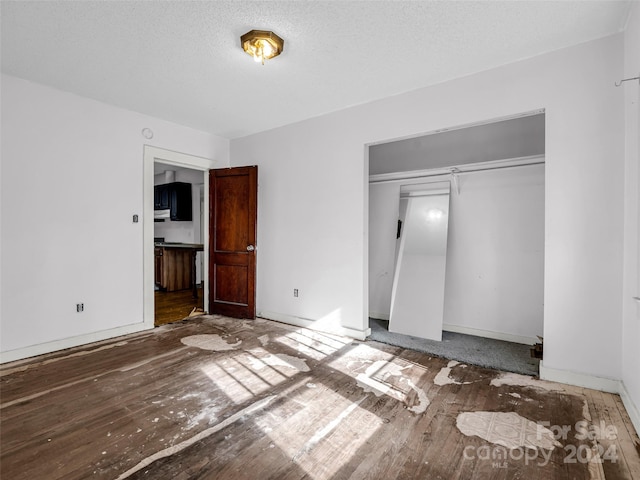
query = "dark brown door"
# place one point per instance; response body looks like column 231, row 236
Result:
column 233, row 207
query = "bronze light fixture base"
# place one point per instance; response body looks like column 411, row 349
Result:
column 262, row 44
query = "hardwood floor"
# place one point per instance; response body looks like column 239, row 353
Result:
column 217, row 398
column 174, row 306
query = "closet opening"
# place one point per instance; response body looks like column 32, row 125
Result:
column 456, row 242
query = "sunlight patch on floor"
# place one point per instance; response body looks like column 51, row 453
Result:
column 382, row 373
column 341, row 426
column 315, row 345
column 238, row 379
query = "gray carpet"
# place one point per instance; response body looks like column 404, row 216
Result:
column 484, row 352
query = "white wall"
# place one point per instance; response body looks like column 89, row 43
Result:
column 312, row 228
column 631, row 288
column 71, row 182
column 495, row 255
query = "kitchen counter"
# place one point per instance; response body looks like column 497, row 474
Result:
column 175, row 266
column 195, row 246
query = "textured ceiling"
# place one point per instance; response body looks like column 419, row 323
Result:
column 182, row 61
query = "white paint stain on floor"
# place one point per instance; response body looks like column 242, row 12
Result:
column 279, row 360
column 444, row 375
column 423, row 400
column 585, row 410
column 382, row 370
column 525, row 381
column 207, row 414
column 211, row 342
column 226, row 321
column 507, row 429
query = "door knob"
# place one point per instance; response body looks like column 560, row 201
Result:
column 250, row 248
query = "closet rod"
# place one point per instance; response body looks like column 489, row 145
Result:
column 454, row 171
column 618, row 84
column 497, row 167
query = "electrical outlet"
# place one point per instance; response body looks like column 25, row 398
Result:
column 79, row 307
column 295, row 292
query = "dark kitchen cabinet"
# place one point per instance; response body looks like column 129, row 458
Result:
column 161, row 197
column 180, row 201
column 175, row 197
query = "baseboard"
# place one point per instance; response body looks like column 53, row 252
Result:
column 476, row 332
column 507, row 337
column 579, row 379
column 315, row 325
column 597, row 383
column 630, row 406
column 42, row 348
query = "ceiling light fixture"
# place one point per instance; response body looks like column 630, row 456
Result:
column 262, row 44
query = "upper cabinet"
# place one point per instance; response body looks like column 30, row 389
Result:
column 175, row 197
column 161, row 197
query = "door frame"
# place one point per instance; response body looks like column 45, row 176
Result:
column 169, row 157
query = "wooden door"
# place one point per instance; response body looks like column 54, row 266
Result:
column 233, row 207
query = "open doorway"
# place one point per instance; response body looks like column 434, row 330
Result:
column 197, row 167
column 493, row 280
column 178, row 242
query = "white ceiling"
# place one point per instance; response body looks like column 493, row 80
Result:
column 182, row 61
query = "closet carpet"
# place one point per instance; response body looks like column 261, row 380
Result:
column 484, row 352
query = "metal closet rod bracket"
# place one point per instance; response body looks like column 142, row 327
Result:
column 627, row 80
column 454, row 175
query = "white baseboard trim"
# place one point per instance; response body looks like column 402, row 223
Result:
column 597, row 383
column 314, row 325
column 579, row 379
column 42, row 348
column 507, row 337
column 630, row 406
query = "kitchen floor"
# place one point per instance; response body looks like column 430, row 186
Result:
column 175, row 306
